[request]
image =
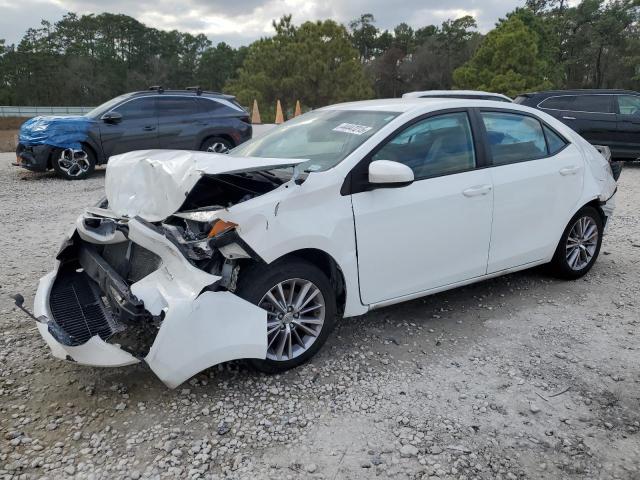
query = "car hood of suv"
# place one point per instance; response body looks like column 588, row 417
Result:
column 58, row 131
column 153, row 184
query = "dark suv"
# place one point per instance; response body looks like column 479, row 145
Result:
column 603, row 117
column 189, row 119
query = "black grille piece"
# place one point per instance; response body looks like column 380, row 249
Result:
column 77, row 308
column 131, row 261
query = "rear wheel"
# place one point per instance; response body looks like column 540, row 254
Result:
column 579, row 246
column 301, row 310
column 73, row 164
column 216, row 145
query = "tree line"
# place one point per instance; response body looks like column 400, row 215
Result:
column 87, row 59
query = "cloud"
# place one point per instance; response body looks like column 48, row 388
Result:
column 239, row 22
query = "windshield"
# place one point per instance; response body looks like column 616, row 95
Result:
column 324, row 137
column 105, row 107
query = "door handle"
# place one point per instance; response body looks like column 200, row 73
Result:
column 148, row 128
column 477, row 191
column 572, row 170
column 569, row 118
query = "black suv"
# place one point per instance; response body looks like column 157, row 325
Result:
column 603, row 117
column 189, row 119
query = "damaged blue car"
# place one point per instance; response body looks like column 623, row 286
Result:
column 190, row 119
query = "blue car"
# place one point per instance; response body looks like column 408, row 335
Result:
column 189, row 119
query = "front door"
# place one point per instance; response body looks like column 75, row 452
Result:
column 434, row 232
column 137, row 130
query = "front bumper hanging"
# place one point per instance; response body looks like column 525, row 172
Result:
column 86, row 307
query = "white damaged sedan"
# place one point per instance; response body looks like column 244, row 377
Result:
column 194, row 259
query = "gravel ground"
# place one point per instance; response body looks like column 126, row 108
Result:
column 517, row 377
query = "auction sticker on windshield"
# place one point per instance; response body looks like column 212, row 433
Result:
column 352, row 128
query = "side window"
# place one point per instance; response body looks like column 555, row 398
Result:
column 555, row 142
column 564, row 102
column 628, row 104
column 592, row 104
column 513, row 137
column 176, row 106
column 138, row 108
column 435, row 146
column 210, row 106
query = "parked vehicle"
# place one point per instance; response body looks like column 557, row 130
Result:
column 467, row 94
column 340, row 211
column 189, row 119
column 603, row 117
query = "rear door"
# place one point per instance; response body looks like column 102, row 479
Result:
column 627, row 144
column 537, row 177
column 591, row 115
column 178, row 122
column 138, row 129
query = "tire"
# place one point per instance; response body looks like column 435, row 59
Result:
column 216, row 145
column 73, row 164
column 616, row 169
column 579, row 247
column 287, row 332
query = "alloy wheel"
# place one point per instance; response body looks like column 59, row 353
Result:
column 217, row 147
column 582, row 243
column 295, row 316
column 74, row 163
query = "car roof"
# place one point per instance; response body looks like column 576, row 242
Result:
column 446, row 93
column 580, row 91
column 191, row 93
column 409, row 104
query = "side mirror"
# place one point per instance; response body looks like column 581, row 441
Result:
column 385, row 173
column 111, row 117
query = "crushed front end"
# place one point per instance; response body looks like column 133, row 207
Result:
column 125, row 290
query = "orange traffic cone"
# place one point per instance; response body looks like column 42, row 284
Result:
column 279, row 115
column 255, row 113
column 298, row 110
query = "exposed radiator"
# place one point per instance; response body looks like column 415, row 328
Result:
column 78, row 309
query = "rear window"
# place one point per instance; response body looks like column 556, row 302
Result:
column 593, row 103
column 209, row 106
column 521, row 99
column 579, row 103
column 558, row 103
column 513, row 137
column 174, row 106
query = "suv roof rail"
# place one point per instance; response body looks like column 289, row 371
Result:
column 196, row 89
column 159, row 88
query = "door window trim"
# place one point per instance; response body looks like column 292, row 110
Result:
column 614, row 105
column 485, row 137
column 357, row 180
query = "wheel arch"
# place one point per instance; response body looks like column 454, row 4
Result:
column 328, row 265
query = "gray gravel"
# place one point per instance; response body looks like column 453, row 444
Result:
column 519, row 377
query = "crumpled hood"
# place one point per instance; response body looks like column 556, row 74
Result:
column 153, row 184
column 59, row 131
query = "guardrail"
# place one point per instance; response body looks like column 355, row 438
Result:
column 17, row 111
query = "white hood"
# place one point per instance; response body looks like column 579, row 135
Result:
column 153, row 184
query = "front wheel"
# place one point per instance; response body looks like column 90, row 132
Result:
column 73, row 164
column 579, row 246
column 301, row 310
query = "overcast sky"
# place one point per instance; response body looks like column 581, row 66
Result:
column 238, row 22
